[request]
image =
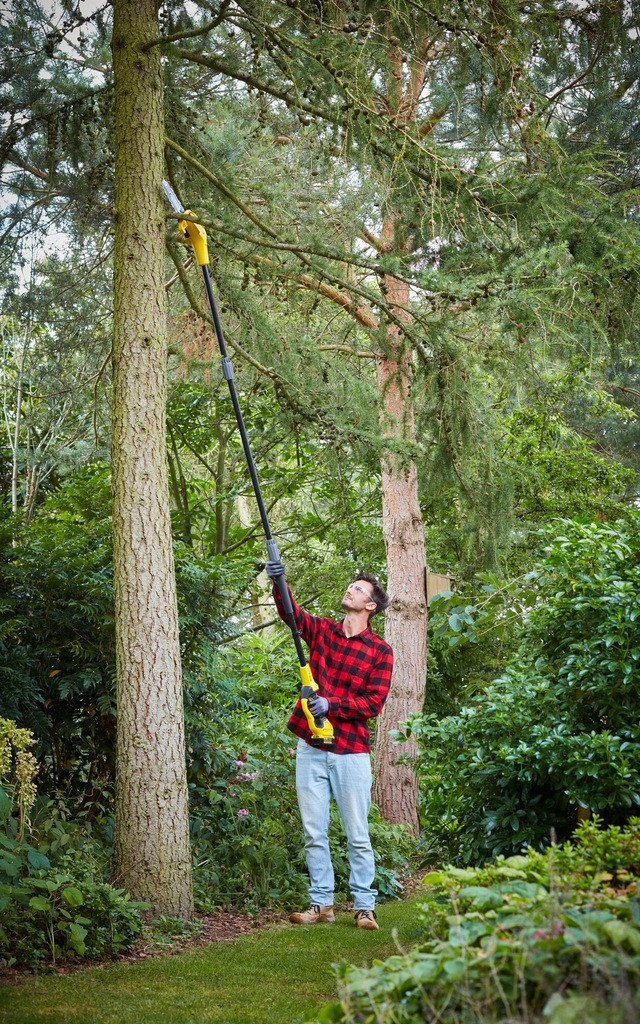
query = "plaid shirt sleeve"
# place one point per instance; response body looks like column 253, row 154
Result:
column 307, row 624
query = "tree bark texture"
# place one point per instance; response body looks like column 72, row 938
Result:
column 152, row 851
column 396, row 786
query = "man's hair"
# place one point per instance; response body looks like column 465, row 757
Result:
column 378, row 594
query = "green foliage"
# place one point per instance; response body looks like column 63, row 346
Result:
column 543, row 937
column 48, row 917
column 245, row 827
column 558, row 730
column 57, row 647
column 607, row 859
column 56, row 628
column 554, row 470
column 560, row 472
column 54, row 905
column 473, row 632
column 524, row 454
column 17, row 771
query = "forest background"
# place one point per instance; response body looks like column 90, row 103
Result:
column 423, row 224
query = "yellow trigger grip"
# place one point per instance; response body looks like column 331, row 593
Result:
column 321, row 728
column 195, row 236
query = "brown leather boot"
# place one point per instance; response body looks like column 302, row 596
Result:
column 314, row 915
column 366, row 919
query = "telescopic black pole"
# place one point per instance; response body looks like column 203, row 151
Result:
column 272, row 547
column 195, row 235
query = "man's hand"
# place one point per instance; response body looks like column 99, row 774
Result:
column 318, row 706
column 274, row 569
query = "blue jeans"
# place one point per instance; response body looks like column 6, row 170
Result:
column 347, row 777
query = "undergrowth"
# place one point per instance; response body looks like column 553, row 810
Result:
column 548, row 937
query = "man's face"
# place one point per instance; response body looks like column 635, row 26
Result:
column 358, row 597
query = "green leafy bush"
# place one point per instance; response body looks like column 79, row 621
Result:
column 559, row 729
column 54, row 903
column 54, row 912
column 544, row 937
column 47, row 917
column 57, row 647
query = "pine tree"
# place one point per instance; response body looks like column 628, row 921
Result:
column 152, row 850
column 450, row 127
column 406, row 166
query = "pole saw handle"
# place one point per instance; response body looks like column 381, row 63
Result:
column 320, row 728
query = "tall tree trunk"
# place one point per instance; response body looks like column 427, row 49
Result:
column 396, row 787
column 14, row 436
column 152, row 854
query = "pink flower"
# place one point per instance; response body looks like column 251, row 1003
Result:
column 557, row 928
column 242, row 813
column 239, row 764
column 247, row 776
column 291, row 751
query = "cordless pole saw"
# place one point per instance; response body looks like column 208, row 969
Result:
column 196, row 236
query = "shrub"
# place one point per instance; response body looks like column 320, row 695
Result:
column 52, row 906
column 559, row 729
column 57, row 648
column 47, row 917
column 544, row 937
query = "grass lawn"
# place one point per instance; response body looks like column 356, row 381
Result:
column 273, row 976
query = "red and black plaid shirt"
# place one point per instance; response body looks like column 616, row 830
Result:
column 352, row 672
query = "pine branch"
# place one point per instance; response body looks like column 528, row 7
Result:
column 377, row 243
column 338, row 256
column 333, row 289
column 188, row 33
column 426, row 127
column 205, row 315
column 215, row 64
column 367, row 110
column 346, row 350
column 576, row 81
column 362, row 314
column 285, row 387
column 188, row 263
column 210, row 176
column 14, row 158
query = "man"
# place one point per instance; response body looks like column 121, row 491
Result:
column 352, row 667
